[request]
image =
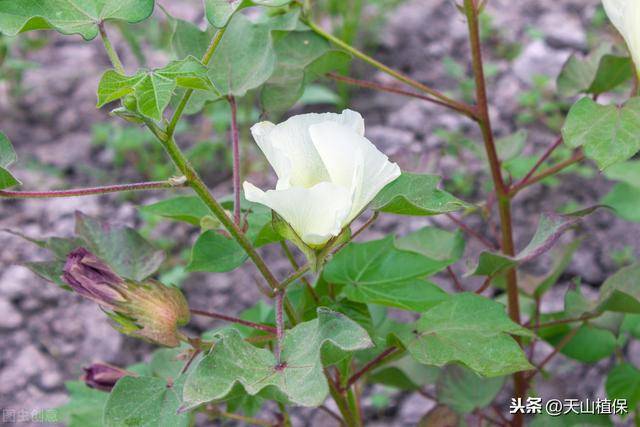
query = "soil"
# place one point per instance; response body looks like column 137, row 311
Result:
column 47, row 335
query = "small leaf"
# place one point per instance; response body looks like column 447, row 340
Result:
column 607, row 134
column 84, row 408
column 69, row 16
column 621, row 292
column 418, row 195
column 589, row 345
column 472, row 330
column 612, row 72
column 404, row 374
column 299, row 377
column 464, row 391
column 623, row 382
column 220, row 11
column 189, row 209
column 624, row 199
column 144, row 401
column 122, row 248
column 378, row 272
column 550, row 228
column 7, row 158
column 216, row 253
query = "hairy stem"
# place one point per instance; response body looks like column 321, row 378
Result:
column 235, row 143
column 375, row 362
column 467, row 111
column 502, row 192
column 113, row 55
column 91, row 191
column 582, row 318
column 232, row 319
column 341, row 401
column 295, row 265
column 380, row 66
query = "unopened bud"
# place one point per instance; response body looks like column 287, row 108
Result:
column 147, row 310
column 102, row 376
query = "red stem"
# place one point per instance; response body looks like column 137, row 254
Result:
column 540, row 161
column 456, row 281
column 369, row 366
column 232, row 319
column 235, row 141
column 464, row 227
column 91, row 191
column 279, row 324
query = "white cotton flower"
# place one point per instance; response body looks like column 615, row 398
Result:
column 625, row 16
column 327, row 172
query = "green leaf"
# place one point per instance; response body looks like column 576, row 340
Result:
column 7, row 158
column 245, row 57
column 621, row 292
column 144, row 401
column 301, row 57
column 464, row 391
column 471, row 330
column 153, row 89
column 624, row 199
column 219, row 12
column 627, row 172
column 607, row 134
column 560, row 263
column 589, row 345
column 612, row 72
column 189, row 209
column 550, row 228
column 377, row 272
column 418, row 195
column 623, row 382
column 69, row 16
column 85, row 406
column 434, row 243
column 122, row 248
column 404, row 374
column 216, row 253
column 298, row 378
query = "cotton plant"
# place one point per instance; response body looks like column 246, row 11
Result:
column 327, row 329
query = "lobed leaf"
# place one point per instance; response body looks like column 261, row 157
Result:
column 471, row 330
column 607, row 134
column 299, row 377
column 69, row 16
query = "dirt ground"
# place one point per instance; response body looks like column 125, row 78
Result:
column 47, row 335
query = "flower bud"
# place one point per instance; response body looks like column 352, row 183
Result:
column 147, row 310
column 102, row 376
column 625, row 16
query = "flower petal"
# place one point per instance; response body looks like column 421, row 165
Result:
column 290, row 151
column 625, row 16
column 353, row 162
column 316, row 214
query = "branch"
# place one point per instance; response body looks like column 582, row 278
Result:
column 464, row 227
column 295, row 265
column 369, row 366
column 540, row 161
column 91, row 191
column 456, row 281
column 232, row 319
column 582, row 318
column 113, row 55
column 576, row 158
column 380, row 66
column 467, row 110
column 235, row 143
column 563, row 342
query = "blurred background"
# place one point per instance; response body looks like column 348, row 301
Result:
column 47, row 109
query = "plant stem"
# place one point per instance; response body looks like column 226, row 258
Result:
column 235, row 142
column 206, row 58
column 91, row 191
column 370, row 365
column 468, row 110
column 540, row 161
column 485, row 285
column 380, row 66
column 341, row 401
column 279, row 324
column 295, row 265
column 232, row 319
column 113, row 55
column 576, row 158
column 294, row 276
column 464, row 227
column 244, row 419
column 563, row 342
column 456, row 282
column 565, row 321
column 502, row 192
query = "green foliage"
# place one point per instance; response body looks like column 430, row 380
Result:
column 7, row 158
column 464, row 391
column 153, row 90
column 68, row 16
column 297, row 378
column 607, row 134
column 417, row 195
column 378, row 272
column 620, row 292
column 85, row 406
column 623, row 382
column 145, row 401
column 472, row 330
